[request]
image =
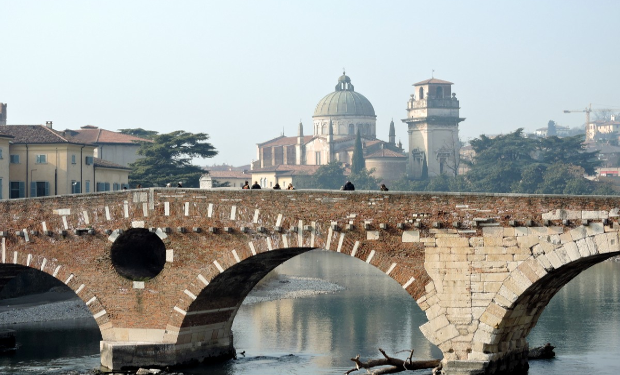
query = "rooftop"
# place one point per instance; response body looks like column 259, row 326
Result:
column 285, row 141
column 433, row 81
column 93, row 134
column 229, row 174
column 37, row 134
column 100, row 163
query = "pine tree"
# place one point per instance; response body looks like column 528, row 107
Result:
column 358, row 163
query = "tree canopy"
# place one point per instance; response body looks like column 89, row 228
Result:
column 512, row 163
column 328, row 176
column 139, row 132
column 168, row 159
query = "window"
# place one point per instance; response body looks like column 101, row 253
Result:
column 72, row 159
column 0, row 153
column 87, row 186
column 39, row 189
column 14, row 159
column 439, row 93
column 103, row 186
column 76, row 187
column 41, row 159
column 421, row 93
column 88, row 160
column 116, row 186
column 17, row 189
column 317, row 155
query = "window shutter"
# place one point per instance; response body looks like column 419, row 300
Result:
column 47, row 189
column 33, row 189
column 22, row 189
column 78, row 187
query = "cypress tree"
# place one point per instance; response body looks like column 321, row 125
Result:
column 358, row 163
column 424, row 169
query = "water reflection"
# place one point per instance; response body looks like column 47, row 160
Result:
column 374, row 311
column 53, row 347
column 583, row 322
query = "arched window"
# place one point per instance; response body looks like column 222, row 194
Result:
column 421, row 93
column 351, row 129
column 324, row 129
column 439, row 92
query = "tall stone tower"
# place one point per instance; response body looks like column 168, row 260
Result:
column 433, row 127
column 2, row 113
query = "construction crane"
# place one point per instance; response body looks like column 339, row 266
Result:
column 587, row 111
column 592, row 128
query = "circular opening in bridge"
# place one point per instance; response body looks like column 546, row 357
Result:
column 138, row 254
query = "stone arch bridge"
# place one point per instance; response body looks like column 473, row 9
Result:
column 164, row 271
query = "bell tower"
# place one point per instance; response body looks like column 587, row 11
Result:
column 433, row 128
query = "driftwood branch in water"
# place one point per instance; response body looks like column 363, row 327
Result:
column 394, row 364
column 390, row 365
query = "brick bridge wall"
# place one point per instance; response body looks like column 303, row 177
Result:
column 482, row 267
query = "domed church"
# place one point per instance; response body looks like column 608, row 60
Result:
column 337, row 118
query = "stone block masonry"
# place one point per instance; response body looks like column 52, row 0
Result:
column 482, row 267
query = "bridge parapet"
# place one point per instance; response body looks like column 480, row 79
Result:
column 482, row 267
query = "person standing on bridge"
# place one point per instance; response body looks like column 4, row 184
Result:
column 246, row 186
column 348, row 186
column 256, row 185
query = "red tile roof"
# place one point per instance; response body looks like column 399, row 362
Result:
column 37, row 134
column 108, row 164
column 385, row 153
column 93, row 134
column 285, row 141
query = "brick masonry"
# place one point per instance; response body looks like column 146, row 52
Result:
column 482, row 267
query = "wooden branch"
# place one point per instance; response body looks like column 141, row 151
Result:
column 394, row 364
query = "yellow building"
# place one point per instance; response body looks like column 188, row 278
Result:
column 45, row 162
column 4, row 165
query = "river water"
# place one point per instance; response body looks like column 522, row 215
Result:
column 319, row 334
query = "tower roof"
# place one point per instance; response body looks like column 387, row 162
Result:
column 433, row 80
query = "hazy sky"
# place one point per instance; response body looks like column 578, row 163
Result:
column 243, row 72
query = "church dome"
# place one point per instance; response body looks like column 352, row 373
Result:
column 344, row 101
column 344, row 78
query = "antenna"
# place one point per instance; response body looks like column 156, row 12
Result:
column 433, row 74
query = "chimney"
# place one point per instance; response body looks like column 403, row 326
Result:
column 48, row 124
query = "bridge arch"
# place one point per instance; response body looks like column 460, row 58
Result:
column 20, row 261
column 502, row 333
column 206, row 309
